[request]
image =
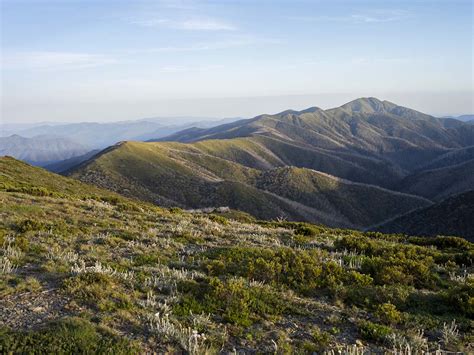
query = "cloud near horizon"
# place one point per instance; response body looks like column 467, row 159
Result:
column 53, row 60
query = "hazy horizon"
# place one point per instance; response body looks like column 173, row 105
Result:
column 96, row 61
column 255, row 106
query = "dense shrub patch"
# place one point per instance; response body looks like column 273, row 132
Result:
column 235, row 300
column 69, row 336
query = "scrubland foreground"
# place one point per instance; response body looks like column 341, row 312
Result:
column 84, row 270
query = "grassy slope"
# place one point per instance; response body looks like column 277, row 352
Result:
column 204, row 174
column 94, row 269
column 16, row 175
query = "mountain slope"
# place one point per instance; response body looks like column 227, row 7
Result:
column 358, row 204
column 465, row 118
column 453, row 216
column 437, row 184
column 267, row 152
column 380, row 129
column 203, row 175
column 452, row 157
column 17, row 176
column 41, row 150
column 64, row 165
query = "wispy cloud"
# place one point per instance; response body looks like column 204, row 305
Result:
column 184, row 68
column 216, row 45
column 190, row 24
column 46, row 60
column 382, row 60
column 206, row 24
column 350, row 62
column 178, row 4
column 381, row 16
column 375, row 16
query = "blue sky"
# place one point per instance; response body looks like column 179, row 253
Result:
column 98, row 60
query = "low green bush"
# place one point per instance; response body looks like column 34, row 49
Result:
column 442, row 242
column 299, row 270
column 89, row 287
column 307, row 230
column 388, row 314
column 320, row 339
column 128, row 207
column 374, row 332
column 234, row 300
column 146, row 259
column 29, row 224
column 396, row 268
column 28, row 189
column 218, row 219
column 68, row 336
column 176, row 210
column 374, row 295
column 461, row 297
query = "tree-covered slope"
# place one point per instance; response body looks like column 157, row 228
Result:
column 85, row 270
column 438, row 184
column 452, row 216
column 452, row 157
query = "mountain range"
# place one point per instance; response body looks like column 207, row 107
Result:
column 101, row 135
column 359, row 165
column 41, row 150
column 59, row 146
column 464, row 118
column 369, row 164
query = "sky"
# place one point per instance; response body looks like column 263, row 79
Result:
column 110, row 60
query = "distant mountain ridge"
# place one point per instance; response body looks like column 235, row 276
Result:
column 100, row 135
column 66, row 164
column 41, row 150
column 463, row 118
column 89, row 138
